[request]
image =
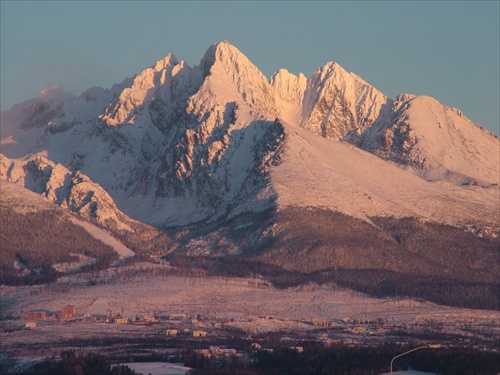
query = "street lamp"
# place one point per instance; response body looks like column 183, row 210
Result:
column 428, row 346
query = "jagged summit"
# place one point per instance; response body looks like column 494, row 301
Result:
column 288, row 86
column 223, row 52
column 158, row 82
column 210, row 56
column 168, row 60
column 231, row 75
column 230, row 57
column 337, row 102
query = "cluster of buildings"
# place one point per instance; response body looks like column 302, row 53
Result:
column 68, row 312
column 186, row 332
column 180, row 325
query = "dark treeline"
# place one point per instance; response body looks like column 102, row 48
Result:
column 142, row 239
column 375, row 282
column 344, row 360
column 441, row 290
column 313, row 239
column 315, row 359
column 394, row 257
column 38, row 240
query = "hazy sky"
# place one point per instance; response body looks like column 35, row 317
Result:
column 448, row 50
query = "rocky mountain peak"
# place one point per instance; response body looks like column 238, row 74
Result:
column 152, row 83
column 230, row 75
column 222, row 52
column 288, row 86
column 337, row 102
column 168, row 60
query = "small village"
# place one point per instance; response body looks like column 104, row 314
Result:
column 197, row 326
column 343, row 331
column 220, row 320
column 199, row 340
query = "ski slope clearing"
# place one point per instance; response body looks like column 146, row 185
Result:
column 105, row 237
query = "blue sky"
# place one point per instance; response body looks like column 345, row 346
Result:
column 448, row 50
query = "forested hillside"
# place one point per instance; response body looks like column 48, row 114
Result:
column 33, row 242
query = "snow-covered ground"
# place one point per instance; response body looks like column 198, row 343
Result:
column 149, row 289
column 159, row 368
column 250, row 305
column 25, row 200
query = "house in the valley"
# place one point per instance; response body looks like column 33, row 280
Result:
column 171, row 332
column 68, row 311
column 37, row 315
column 196, row 333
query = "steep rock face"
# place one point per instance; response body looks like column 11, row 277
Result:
column 157, row 91
column 237, row 79
column 217, row 158
column 288, row 86
column 336, row 103
column 436, row 141
column 71, row 190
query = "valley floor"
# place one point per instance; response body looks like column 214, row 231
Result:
column 222, row 308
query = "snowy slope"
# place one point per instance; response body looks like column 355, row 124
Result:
column 436, row 141
column 336, row 175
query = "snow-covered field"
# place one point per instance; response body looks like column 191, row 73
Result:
column 250, row 305
column 147, row 289
column 159, row 368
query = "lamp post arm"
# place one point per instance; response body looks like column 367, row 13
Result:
column 409, row 351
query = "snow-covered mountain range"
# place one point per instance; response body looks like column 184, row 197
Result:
column 218, row 146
